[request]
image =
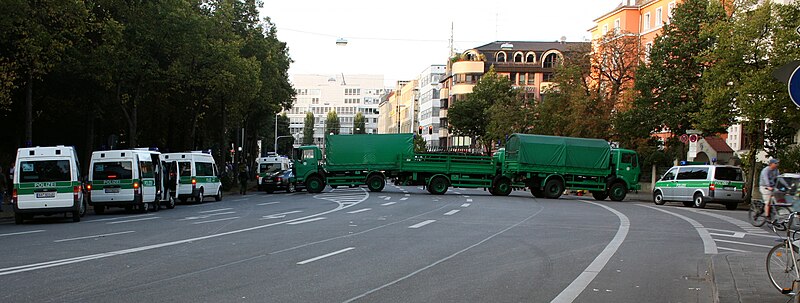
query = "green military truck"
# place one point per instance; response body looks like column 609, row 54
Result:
column 547, row 165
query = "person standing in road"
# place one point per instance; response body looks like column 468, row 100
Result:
column 243, row 176
column 766, row 183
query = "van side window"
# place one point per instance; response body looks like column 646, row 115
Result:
column 185, row 168
column 693, row 173
column 204, row 169
column 670, row 175
column 728, row 174
column 146, row 169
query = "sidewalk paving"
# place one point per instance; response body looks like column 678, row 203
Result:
column 742, row 277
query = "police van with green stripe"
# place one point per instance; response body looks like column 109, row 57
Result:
column 47, row 181
column 193, row 175
column 697, row 185
column 131, row 179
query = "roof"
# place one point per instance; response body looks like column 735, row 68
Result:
column 718, row 144
column 529, row 45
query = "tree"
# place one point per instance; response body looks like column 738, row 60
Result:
column 739, row 87
column 285, row 139
column 308, row 129
column 359, row 124
column 470, row 117
column 615, row 60
column 332, row 123
column 420, row 146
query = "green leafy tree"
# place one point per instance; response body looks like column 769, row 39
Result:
column 285, row 139
column 308, row 129
column 470, row 117
column 359, row 124
column 420, row 146
column 332, row 123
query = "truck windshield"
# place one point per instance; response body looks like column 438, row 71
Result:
column 728, row 174
column 44, row 171
column 112, row 170
column 269, row 167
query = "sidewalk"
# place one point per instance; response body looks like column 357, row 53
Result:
column 742, row 277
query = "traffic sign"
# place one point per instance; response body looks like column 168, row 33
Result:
column 684, row 138
column 693, row 138
column 794, row 87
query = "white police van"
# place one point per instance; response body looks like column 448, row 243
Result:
column 47, row 181
column 269, row 167
column 130, row 179
column 193, row 175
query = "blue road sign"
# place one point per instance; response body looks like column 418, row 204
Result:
column 794, row 86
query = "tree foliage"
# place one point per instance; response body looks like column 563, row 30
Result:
column 332, row 125
column 359, row 124
column 308, row 129
column 470, row 117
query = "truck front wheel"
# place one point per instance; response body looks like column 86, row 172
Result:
column 314, row 184
column 438, row 185
column 617, row 192
column 376, row 182
column 553, row 189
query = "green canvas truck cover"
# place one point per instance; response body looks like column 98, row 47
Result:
column 558, row 151
column 370, row 149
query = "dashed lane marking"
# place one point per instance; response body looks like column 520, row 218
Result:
column 465, row 205
column 388, row 203
column 452, row 212
column 268, row 203
column 95, row 236
column 306, row 221
column 421, row 224
column 359, row 210
column 325, row 256
column 214, row 210
column 403, row 198
column 22, row 233
column 133, row 220
column 216, row 220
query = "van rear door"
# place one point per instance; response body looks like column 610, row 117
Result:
column 45, row 183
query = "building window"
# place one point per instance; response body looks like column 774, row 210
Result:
column 518, row 57
column 314, row 100
column 670, row 9
column 530, row 58
column 531, row 79
column 659, row 20
column 352, row 91
column 550, row 61
column 647, row 47
column 646, row 21
column 501, row 57
column 547, row 77
column 616, row 26
column 522, row 79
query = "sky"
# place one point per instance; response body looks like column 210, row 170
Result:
column 399, row 39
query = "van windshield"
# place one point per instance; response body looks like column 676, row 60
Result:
column 269, row 167
column 44, row 171
column 728, row 174
column 112, row 170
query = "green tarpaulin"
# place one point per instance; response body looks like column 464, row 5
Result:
column 558, row 151
column 369, row 149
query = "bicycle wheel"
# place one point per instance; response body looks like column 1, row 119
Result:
column 756, row 214
column 780, row 267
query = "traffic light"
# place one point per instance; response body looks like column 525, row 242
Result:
column 420, row 130
column 430, row 129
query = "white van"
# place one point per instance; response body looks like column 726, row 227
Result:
column 193, row 175
column 47, row 181
column 129, row 179
column 268, row 167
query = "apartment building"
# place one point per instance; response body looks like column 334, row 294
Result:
column 429, row 95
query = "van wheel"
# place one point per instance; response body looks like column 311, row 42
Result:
column 698, row 201
column 99, row 209
column 76, row 216
column 658, row 198
column 376, row 183
column 19, row 219
column 171, row 203
column 84, row 206
column 617, row 192
column 553, row 189
column 732, row 206
column 218, row 197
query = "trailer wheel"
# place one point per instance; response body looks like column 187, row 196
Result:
column 554, row 188
column 376, row 183
column 599, row 195
column 314, row 184
column 617, row 192
column 501, row 186
column 438, row 185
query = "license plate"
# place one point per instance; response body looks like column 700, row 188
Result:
column 51, row 194
column 112, row 190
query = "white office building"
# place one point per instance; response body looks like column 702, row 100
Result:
column 428, row 112
column 345, row 94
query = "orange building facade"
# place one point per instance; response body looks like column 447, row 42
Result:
column 644, row 18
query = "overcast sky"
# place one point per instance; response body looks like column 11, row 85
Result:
column 400, row 38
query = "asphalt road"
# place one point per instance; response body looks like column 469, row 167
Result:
column 399, row 245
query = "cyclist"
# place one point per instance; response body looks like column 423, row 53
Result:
column 766, row 184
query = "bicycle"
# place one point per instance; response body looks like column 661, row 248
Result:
column 778, row 211
column 782, row 261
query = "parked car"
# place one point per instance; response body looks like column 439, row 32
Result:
column 282, row 180
column 697, row 185
column 786, row 190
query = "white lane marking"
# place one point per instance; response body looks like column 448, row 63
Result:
column 469, row 200
column 709, row 247
column 306, row 221
column 122, row 217
column 746, row 234
column 580, row 283
column 283, row 214
column 387, row 198
column 95, row 236
column 214, row 210
column 388, row 203
column 452, row 212
column 22, row 233
column 407, row 195
column 325, row 256
column 465, row 205
column 457, row 193
column 207, row 216
column 465, row 196
column 215, row 220
column 240, row 199
column 359, row 210
column 403, row 198
column 737, row 234
column 421, row 224
column 268, row 203
column 441, row 260
column 743, row 243
column 732, row 249
column 741, row 224
column 133, row 220
column 43, row 265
